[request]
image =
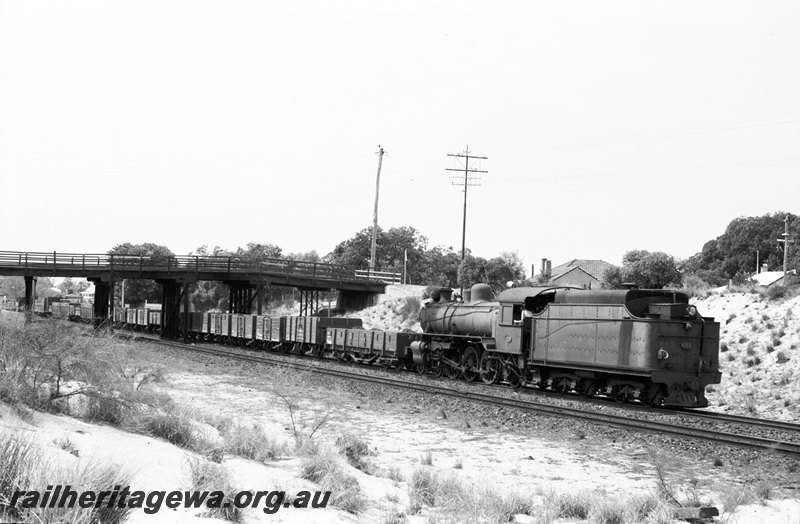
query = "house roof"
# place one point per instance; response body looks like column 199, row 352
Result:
column 594, row 268
column 767, row 278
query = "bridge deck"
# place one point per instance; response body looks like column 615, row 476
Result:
column 294, row 273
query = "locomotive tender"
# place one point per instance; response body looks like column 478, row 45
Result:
column 645, row 345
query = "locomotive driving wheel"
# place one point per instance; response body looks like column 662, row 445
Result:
column 489, row 369
column 471, row 364
column 452, row 363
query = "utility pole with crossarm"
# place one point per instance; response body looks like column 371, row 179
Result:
column 786, row 241
column 466, row 182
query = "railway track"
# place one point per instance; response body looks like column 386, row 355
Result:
column 679, row 430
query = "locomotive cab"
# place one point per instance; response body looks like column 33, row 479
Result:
column 518, row 306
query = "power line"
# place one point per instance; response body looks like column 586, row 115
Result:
column 466, row 181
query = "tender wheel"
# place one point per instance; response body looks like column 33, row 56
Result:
column 490, row 369
column 471, row 363
column 654, row 396
column 514, row 378
column 420, row 369
column 585, row 388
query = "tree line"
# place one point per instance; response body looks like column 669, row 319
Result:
column 731, row 256
column 399, row 249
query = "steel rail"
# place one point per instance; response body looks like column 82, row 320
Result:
column 528, row 405
column 716, row 416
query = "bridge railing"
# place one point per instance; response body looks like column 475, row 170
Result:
column 174, row 263
column 387, row 277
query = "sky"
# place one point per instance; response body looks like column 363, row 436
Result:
column 607, row 126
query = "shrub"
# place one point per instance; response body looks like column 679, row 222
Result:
column 775, row 292
column 781, row 357
column 208, row 476
column 752, row 361
column 695, row 286
column 410, row 308
column 323, row 468
column 24, row 465
column 574, row 505
column 354, row 449
column 426, row 459
column 723, row 347
column 178, row 426
column 251, row 442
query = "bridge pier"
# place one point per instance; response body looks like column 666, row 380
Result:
column 309, row 301
column 242, row 295
column 173, row 292
column 102, row 296
column 29, row 297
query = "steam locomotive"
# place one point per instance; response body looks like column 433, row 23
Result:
column 645, row 345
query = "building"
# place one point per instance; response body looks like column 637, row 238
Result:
column 768, row 278
column 580, row 272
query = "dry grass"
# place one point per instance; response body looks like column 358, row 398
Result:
column 250, row 441
column 323, row 468
column 209, row 476
column 355, row 450
column 26, row 467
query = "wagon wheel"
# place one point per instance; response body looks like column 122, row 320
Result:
column 490, row 369
column 471, row 363
column 562, row 385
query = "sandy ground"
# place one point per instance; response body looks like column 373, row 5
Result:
column 759, row 359
column 400, row 434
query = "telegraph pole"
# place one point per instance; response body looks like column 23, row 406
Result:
column 466, row 182
column 375, row 216
column 786, row 241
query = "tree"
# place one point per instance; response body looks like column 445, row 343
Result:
column 70, row 286
column 733, row 254
column 137, row 291
column 390, row 251
column 259, row 252
column 14, row 287
column 496, row 272
column 645, row 269
column 440, row 267
column 209, row 294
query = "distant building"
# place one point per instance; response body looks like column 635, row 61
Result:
column 768, row 278
column 579, row 272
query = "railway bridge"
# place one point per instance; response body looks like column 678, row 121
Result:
column 246, row 279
